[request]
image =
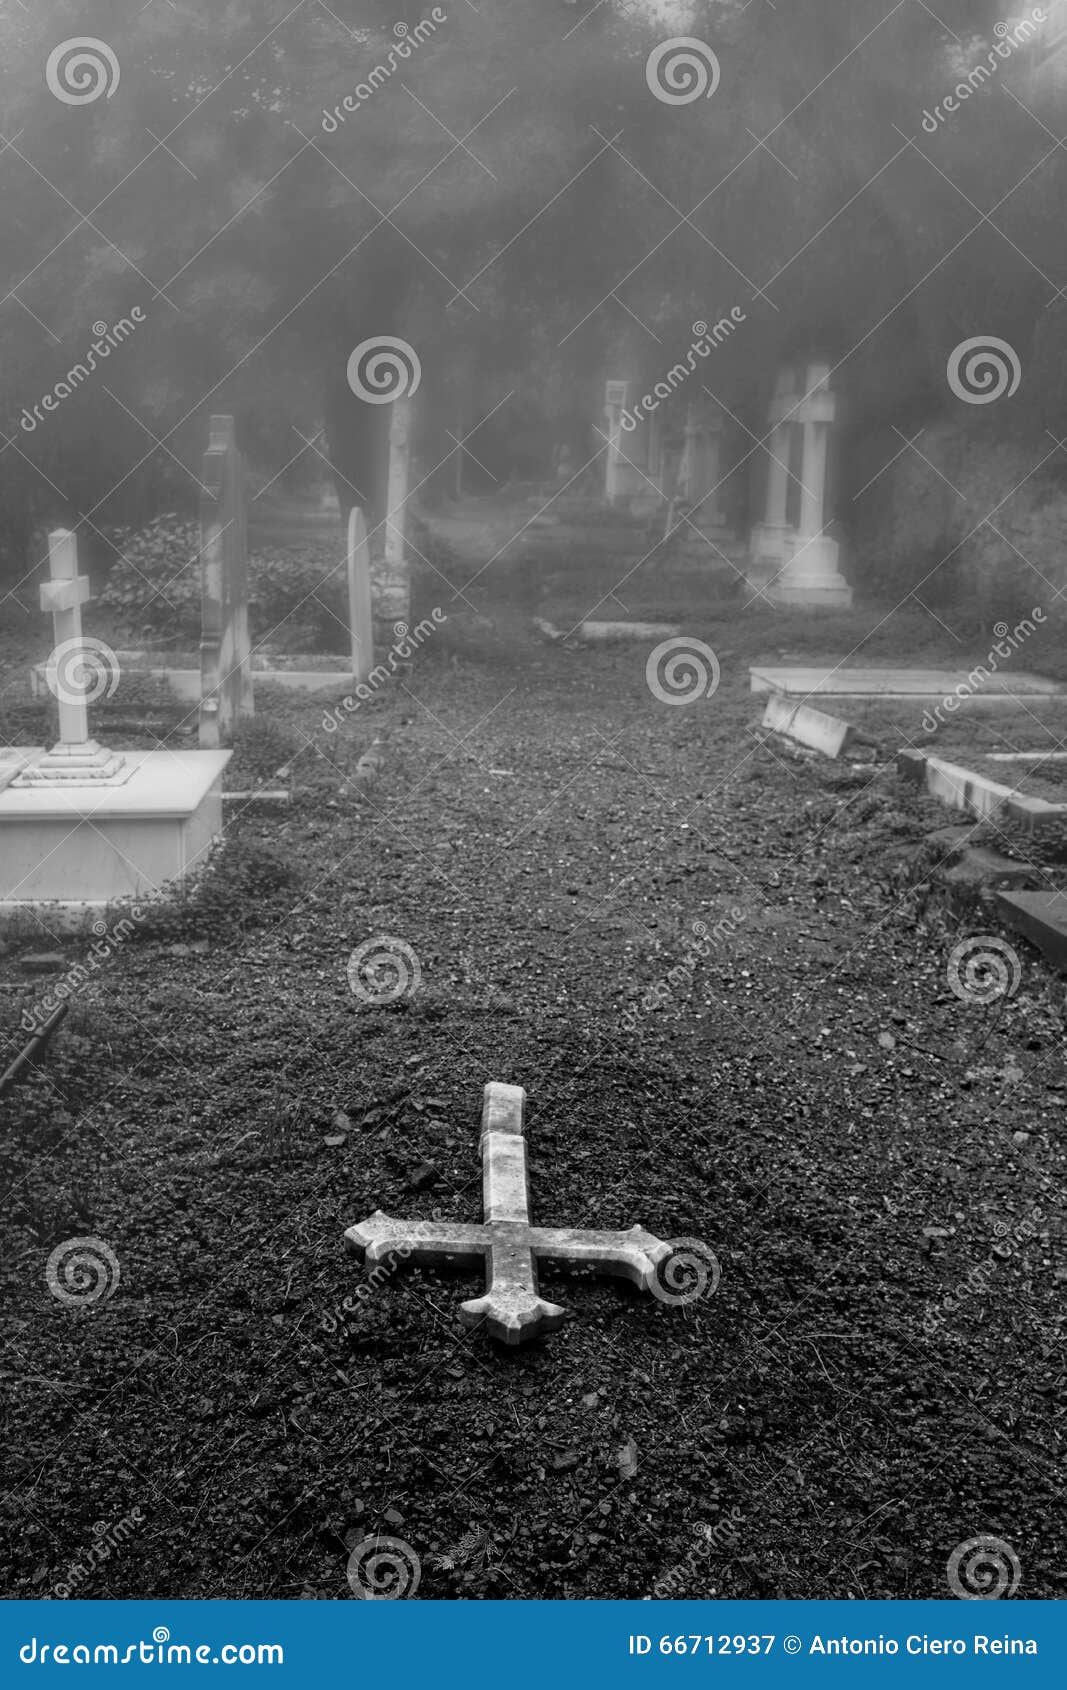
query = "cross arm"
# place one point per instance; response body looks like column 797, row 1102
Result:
column 633, row 1255
column 421, row 1243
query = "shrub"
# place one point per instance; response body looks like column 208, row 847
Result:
column 296, row 596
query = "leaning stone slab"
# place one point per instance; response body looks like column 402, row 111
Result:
column 915, row 684
column 978, row 795
column 807, row 726
column 1040, row 917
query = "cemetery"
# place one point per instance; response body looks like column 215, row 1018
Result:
column 533, row 918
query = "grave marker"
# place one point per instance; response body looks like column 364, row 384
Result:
column 225, row 648
column 507, row 1241
column 73, row 672
column 360, row 605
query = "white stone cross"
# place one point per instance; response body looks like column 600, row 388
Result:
column 73, row 674
column 507, row 1241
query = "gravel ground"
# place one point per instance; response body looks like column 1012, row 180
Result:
column 877, row 1163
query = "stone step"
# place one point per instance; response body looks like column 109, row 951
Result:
column 1040, row 917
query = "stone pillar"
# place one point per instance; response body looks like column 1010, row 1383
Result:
column 811, row 574
column 772, row 540
column 360, row 610
column 616, row 482
column 225, row 645
column 395, row 605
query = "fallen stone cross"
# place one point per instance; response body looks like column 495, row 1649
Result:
column 507, row 1241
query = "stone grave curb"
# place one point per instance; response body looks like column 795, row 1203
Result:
column 803, row 725
column 978, row 795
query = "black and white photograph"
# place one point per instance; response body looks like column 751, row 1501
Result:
column 533, row 818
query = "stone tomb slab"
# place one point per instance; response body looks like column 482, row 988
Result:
column 806, row 726
column 73, row 849
column 916, row 684
column 1040, row 917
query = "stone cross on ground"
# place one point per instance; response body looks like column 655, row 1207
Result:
column 75, row 670
column 507, row 1241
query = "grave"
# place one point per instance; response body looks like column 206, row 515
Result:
column 507, row 1241
column 812, row 728
column 916, row 685
column 223, row 686
column 1040, row 917
column 82, row 826
column 797, row 563
column 979, row 795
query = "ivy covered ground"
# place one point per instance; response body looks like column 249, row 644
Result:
column 877, row 1164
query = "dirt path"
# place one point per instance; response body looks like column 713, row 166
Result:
column 804, row 1093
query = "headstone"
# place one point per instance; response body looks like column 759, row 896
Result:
column 617, row 474
column 360, row 607
column 225, row 647
column 804, row 559
column 73, row 672
column 507, row 1241
column 396, row 594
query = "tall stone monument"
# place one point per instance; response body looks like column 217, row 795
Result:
column 797, row 563
column 225, row 646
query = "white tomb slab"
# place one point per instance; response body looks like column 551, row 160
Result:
column 802, row 682
column 67, row 849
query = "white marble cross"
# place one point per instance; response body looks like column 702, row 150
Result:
column 75, row 673
column 507, row 1241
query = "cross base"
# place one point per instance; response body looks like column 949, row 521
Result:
column 82, row 764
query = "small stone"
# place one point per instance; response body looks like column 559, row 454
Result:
column 43, row 962
column 341, row 1122
column 887, row 1041
column 425, row 1175
column 1020, row 1138
column 392, row 1517
column 333, row 1141
column 566, row 1462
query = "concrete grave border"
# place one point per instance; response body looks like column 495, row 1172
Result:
column 978, row 795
